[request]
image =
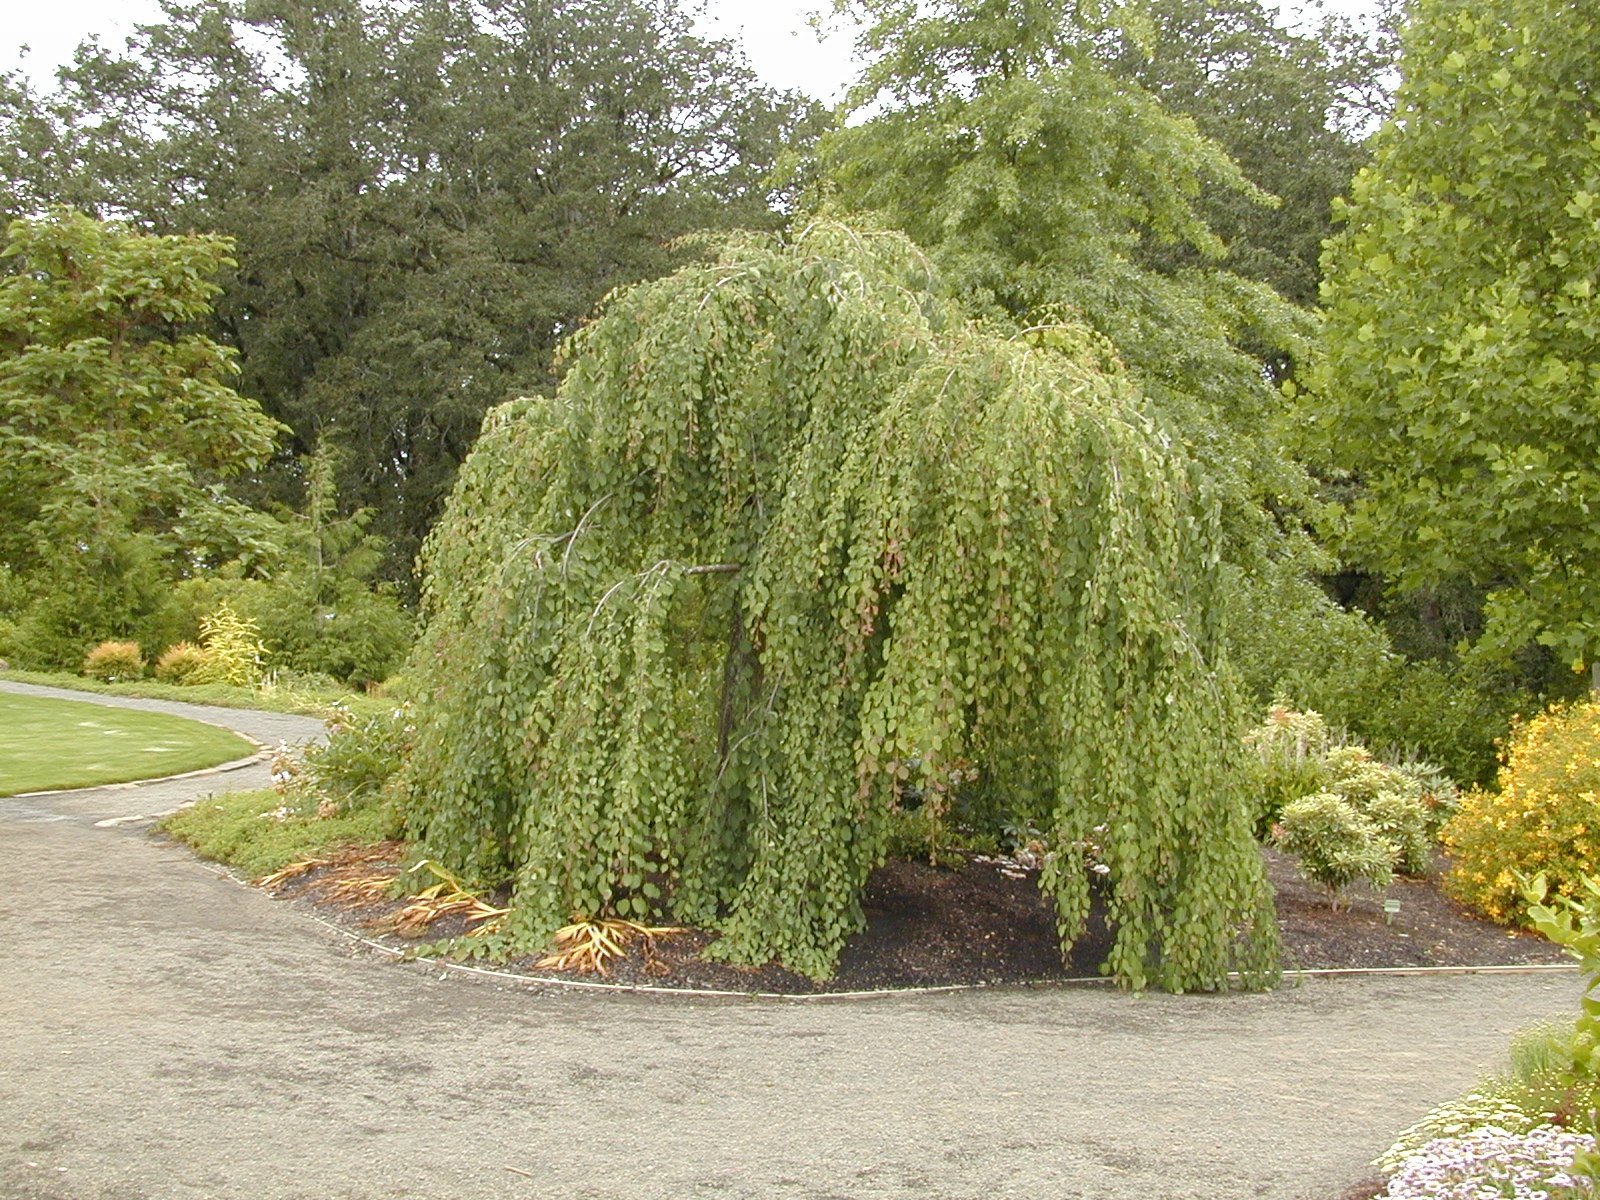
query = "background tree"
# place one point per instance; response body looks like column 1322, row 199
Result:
column 426, row 196
column 1292, row 110
column 1041, row 182
column 1462, row 348
column 119, row 427
column 792, row 542
column 1050, row 159
column 314, row 595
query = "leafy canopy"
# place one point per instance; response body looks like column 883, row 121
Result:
column 426, row 196
column 119, row 425
column 1290, row 108
column 999, row 137
column 792, row 543
column 1460, row 386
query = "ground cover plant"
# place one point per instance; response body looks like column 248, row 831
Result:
column 259, row 832
column 330, row 795
column 1526, row 1133
column 52, row 744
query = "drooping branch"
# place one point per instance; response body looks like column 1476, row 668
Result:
column 970, row 561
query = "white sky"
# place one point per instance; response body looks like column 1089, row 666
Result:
column 781, row 45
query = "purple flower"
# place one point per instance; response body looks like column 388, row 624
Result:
column 1493, row 1164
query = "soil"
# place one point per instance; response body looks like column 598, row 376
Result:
column 979, row 920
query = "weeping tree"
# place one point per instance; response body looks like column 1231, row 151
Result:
column 791, row 544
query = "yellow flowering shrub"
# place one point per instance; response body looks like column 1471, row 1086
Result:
column 1545, row 815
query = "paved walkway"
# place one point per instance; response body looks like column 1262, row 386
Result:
column 168, row 1033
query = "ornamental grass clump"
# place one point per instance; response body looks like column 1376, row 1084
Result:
column 791, row 541
column 113, row 662
column 181, row 663
column 1544, row 816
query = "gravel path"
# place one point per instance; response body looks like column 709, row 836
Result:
column 169, row 1033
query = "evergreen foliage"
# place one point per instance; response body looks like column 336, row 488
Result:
column 791, row 541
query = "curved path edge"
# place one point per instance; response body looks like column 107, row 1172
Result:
column 172, row 1035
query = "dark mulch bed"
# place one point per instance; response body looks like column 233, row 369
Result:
column 981, row 921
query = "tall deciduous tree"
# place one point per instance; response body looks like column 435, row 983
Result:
column 1041, row 182
column 119, row 423
column 426, row 195
column 1461, row 380
column 1291, row 109
column 792, row 543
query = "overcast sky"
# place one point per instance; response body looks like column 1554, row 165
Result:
column 781, row 46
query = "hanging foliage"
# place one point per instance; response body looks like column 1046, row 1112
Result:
column 791, row 545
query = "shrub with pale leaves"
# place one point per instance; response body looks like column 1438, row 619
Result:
column 234, row 651
column 1335, row 843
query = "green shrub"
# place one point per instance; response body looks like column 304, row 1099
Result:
column 1544, row 816
column 1290, row 748
column 1288, row 639
column 1335, row 843
column 1388, row 797
column 1573, row 1061
column 233, row 649
column 182, row 663
column 112, row 662
column 1299, row 756
column 343, row 628
column 1440, row 797
column 358, row 761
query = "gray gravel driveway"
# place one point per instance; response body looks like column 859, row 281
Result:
column 169, row 1033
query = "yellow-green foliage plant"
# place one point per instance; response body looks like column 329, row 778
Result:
column 111, row 662
column 181, row 662
column 792, row 539
column 234, row 652
column 1544, row 815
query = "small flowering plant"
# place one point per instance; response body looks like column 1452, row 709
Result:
column 1491, row 1163
column 1456, row 1119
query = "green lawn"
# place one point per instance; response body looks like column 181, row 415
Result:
column 50, row 744
column 315, row 704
